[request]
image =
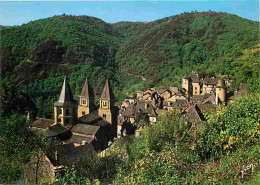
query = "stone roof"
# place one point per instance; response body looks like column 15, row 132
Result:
column 107, row 92
column 55, row 130
column 179, row 104
column 93, row 119
column 186, row 76
column 210, row 81
column 132, row 110
column 174, row 89
column 160, row 91
column 211, row 99
column 90, row 118
column 85, row 129
column 79, row 139
column 193, row 114
column 42, row 123
column 66, row 97
column 85, row 89
column 201, row 98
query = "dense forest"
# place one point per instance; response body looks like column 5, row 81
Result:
column 36, row 56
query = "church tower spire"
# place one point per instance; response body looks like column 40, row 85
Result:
column 86, row 100
column 64, row 108
column 106, row 103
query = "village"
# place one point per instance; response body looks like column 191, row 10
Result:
column 88, row 130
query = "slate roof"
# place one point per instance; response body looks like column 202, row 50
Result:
column 174, row 89
column 179, row 104
column 201, row 98
column 90, row 118
column 66, row 97
column 193, row 113
column 160, row 91
column 42, row 123
column 132, row 110
column 210, row 81
column 85, row 89
column 56, row 130
column 85, row 129
column 107, row 92
column 186, row 76
column 93, row 119
column 79, row 139
column 211, row 99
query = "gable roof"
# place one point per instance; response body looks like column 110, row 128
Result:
column 193, row 113
column 42, row 123
column 85, row 129
column 79, row 139
column 210, row 81
column 66, row 97
column 55, row 130
column 211, row 99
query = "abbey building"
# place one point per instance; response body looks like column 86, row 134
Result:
column 82, row 124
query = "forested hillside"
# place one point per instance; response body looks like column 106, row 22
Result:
column 166, row 49
column 36, row 56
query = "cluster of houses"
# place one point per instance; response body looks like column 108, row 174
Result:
column 86, row 129
column 197, row 94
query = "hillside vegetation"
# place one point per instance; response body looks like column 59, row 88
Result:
column 166, row 49
column 36, row 56
column 165, row 153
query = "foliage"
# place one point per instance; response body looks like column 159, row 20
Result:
column 233, row 127
column 36, row 56
column 165, row 154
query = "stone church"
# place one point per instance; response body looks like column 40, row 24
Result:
column 84, row 128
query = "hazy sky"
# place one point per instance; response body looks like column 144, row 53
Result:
column 17, row 13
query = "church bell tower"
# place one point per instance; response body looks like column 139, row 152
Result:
column 86, row 100
column 106, row 103
column 65, row 107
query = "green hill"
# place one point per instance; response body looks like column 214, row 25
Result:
column 36, row 56
column 172, row 46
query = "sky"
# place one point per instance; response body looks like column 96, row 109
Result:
column 17, row 13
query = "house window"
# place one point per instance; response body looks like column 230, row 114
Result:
column 67, row 112
column 84, row 101
column 195, row 88
column 104, row 116
column 104, row 103
column 83, row 112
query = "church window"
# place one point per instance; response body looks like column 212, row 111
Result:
column 84, row 101
column 195, row 88
column 104, row 116
column 67, row 112
column 83, row 112
column 104, row 103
